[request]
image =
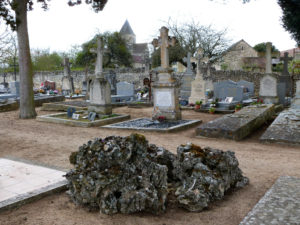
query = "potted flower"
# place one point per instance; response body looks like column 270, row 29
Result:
column 161, row 118
column 238, row 107
column 198, row 104
column 212, row 110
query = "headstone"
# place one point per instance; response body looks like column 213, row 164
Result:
column 188, row 63
column 111, row 77
column 166, row 89
column 67, row 80
column 296, row 100
column 15, row 88
column 199, row 86
column 228, row 88
column 91, row 116
column 268, row 89
column 84, row 87
column 125, row 88
column 70, row 112
column 100, row 91
column 186, row 80
column 268, row 57
column 248, row 85
column 285, row 77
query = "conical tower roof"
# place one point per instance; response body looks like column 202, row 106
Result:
column 126, row 28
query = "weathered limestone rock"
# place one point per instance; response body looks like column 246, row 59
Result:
column 115, row 175
column 238, row 125
column 127, row 175
column 205, row 174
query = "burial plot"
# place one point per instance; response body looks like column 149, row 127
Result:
column 22, row 182
column 238, row 125
column 285, row 128
column 187, row 78
column 8, row 105
column 280, row 204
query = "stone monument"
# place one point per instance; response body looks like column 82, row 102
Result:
column 268, row 58
column 268, row 89
column 166, row 89
column 187, row 78
column 67, row 80
column 100, row 94
column 296, row 100
column 199, row 85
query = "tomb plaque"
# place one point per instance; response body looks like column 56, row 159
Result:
column 163, row 98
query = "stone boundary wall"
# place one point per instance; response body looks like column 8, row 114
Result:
column 136, row 77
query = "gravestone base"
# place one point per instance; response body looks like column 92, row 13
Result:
column 166, row 98
column 100, row 109
column 270, row 99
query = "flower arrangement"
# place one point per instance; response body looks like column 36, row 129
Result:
column 192, row 104
column 258, row 102
column 238, row 107
column 161, row 118
column 55, row 92
column 198, row 104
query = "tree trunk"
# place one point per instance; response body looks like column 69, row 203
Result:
column 27, row 109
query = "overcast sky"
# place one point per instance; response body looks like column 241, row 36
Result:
column 62, row 26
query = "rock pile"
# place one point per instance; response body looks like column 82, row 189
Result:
column 127, row 175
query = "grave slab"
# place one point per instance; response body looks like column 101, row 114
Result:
column 238, row 125
column 61, row 118
column 147, row 124
column 8, row 105
column 63, row 106
column 285, row 128
column 22, row 182
column 280, row 205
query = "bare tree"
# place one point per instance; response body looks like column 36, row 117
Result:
column 192, row 36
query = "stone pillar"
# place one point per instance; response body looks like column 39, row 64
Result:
column 166, row 89
column 268, row 57
column 100, row 95
column 67, row 85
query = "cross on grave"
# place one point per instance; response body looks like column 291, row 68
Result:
column 164, row 41
column 187, row 60
column 286, row 60
column 99, row 59
column 67, row 70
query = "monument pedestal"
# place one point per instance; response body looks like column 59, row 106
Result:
column 165, row 97
column 100, row 99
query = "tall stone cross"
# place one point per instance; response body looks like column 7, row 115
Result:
column 164, row 41
column 286, row 60
column 188, row 62
column 99, row 59
column 67, row 70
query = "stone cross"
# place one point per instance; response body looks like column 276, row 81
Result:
column 188, row 62
column 286, row 60
column 99, row 60
column 66, row 64
column 164, row 41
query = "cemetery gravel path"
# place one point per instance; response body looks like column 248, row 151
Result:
column 52, row 144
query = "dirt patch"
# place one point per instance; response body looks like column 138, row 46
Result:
column 52, row 144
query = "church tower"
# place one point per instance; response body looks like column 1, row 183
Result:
column 127, row 33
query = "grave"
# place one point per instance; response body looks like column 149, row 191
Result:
column 100, row 91
column 125, row 92
column 280, row 204
column 8, row 105
column 67, row 80
column 296, row 100
column 14, row 91
column 284, row 129
column 82, row 120
column 187, row 78
column 199, row 85
column 23, row 182
column 166, row 114
column 268, row 89
column 63, row 106
column 238, row 125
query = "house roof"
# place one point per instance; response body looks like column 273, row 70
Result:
column 233, row 46
column 126, row 28
column 291, row 52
